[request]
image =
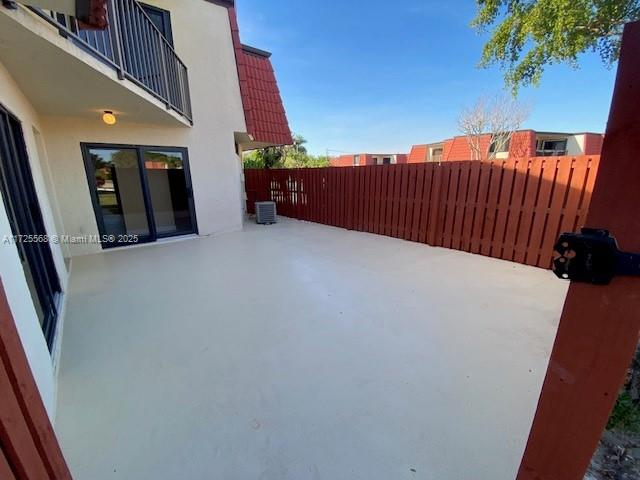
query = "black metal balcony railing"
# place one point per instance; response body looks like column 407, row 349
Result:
column 135, row 47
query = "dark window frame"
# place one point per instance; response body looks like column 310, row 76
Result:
column 146, row 191
column 166, row 20
column 507, row 147
column 22, row 205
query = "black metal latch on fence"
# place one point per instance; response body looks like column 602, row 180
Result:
column 592, row 256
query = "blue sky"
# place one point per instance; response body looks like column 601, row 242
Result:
column 380, row 76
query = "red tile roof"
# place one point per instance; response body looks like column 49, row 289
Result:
column 418, row 154
column 264, row 111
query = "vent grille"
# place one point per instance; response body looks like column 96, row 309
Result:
column 266, row 213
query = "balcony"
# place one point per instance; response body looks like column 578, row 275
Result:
column 131, row 52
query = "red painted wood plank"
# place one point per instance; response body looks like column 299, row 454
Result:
column 396, row 200
column 384, row 192
column 450, row 209
column 321, row 194
column 315, row 198
column 579, row 176
column 366, row 197
column 470, row 205
column 438, row 198
column 390, row 200
column 284, row 192
column 5, row 468
column 310, row 188
column 404, row 192
column 481, row 202
column 411, row 201
column 311, row 184
column 361, row 199
column 377, row 224
column 502, row 215
column 426, row 211
column 515, row 211
column 417, row 202
column 15, row 437
column 333, row 176
column 526, row 219
column 349, row 198
column 588, row 191
column 541, row 213
column 491, row 211
column 338, row 197
column 599, row 327
column 293, row 193
column 340, row 200
column 361, row 189
column 303, row 174
column 552, row 230
column 345, row 196
column 328, row 196
column 294, row 187
column 461, row 204
column 308, row 185
column 368, row 194
column 25, row 392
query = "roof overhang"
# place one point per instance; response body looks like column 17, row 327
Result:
column 264, row 112
column 222, row 3
column 256, row 51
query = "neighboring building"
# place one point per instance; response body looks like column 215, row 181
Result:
column 523, row 143
column 362, row 159
column 431, row 152
column 169, row 166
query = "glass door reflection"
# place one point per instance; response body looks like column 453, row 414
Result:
column 170, row 191
column 118, row 185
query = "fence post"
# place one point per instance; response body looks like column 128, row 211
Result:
column 599, row 327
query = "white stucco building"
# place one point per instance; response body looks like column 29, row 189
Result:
column 169, row 166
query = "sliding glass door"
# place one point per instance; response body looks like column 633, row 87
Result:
column 20, row 199
column 170, row 191
column 139, row 192
column 117, row 185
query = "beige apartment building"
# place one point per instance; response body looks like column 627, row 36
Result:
column 111, row 137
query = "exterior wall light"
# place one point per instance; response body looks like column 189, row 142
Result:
column 109, row 118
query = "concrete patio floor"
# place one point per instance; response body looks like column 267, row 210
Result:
column 299, row 351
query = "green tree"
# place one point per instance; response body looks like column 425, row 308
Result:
column 270, row 157
column 288, row 156
column 527, row 35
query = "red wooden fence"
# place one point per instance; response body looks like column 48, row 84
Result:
column 511, row 209
column 29, row 449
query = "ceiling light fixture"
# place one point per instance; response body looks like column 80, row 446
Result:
column 109, row 118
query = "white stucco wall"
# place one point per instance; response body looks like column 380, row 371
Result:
column 202, row 38
column 575, row 144
column 11, row 271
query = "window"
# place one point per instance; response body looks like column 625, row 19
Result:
column 161, row 19
column 356, row 160
column 548, row 147
column 504, row 148
column 386, row 161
